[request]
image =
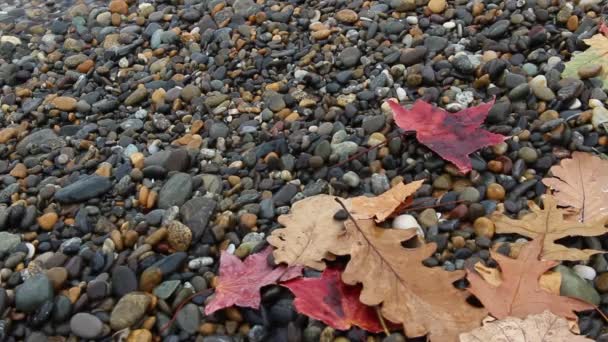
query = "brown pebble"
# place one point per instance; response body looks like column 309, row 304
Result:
column 119, row 6
column 140, row 335
column 233, row 314
column 130, row 238
column 85, row 66
column 137, row 159
column 495, row 192
column 484, row 227
column 64, row 103
column 572, row 23
column 117, row 239
column 144, row 192
column 150, row 278
column 437, row 6
column 19, row 171
column 458, row 241
column 589, row 71
column 57, row 276
column 151, row 200
column 206, row 329
column 159, row 235
column 495, row 166
column 601, row 282
column 48, row 220
column 179, row 236
column 104, row 169
column 248, row 220
column 347, row 16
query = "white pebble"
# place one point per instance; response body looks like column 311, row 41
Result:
column 576, row 104
column 585, row 272
column 407, row 222
column 141, row 113
column 197, row 263
column 231, row 248
column 31, row 250
column 123, row 62
column 412, row 20
column 595, row 103
column 401, row 94
column 448, row 25
column 207, row 153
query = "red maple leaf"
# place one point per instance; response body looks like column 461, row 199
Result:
column 452, row 136
column 240, row 282
column 330, row 300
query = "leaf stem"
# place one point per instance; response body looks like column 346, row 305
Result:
column 381, row 319
column 180, row 307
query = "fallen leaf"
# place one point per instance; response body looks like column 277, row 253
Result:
column 452, row 136
column 549, row 281
column 240, row 282
column 535, row 328
column 310, row 228
column 581, row 183
column 595, row 54
column 548, row 225
column 383, row 206
column 330, row 300
column 309, row 231
column 519, row 293
column 422, row 299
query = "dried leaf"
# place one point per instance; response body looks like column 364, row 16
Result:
column 548, row 225
column 519, row 294
column 422, row 299
column 240, row 282
column 310, row 230
column 535, row 328
column 384, row 205
column 452, row 136
column 330, row 300
column 595, row 54
column 549, row 281
column 581, row 183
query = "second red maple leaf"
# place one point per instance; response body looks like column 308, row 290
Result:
column 452, row 136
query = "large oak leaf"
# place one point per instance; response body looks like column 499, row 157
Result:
column 422, row 299
column 544, row 327
column 330, row 300
column 240, row 282
column 520, row 293
column 310, row 228
column 548, row 225
column 582, row 184
column 452, row 136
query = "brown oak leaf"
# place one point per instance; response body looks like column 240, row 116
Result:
column 310, row 229
column 383, row 206
column 543, row 327
column 548, row 225
column 422, row 299
column 549, row 281
column 520, row 294
column 582, row 184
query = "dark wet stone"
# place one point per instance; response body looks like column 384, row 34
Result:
column 196, row 214
column 175, row 191
column 42, row 138
column 34, row 292
column 85, row 188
